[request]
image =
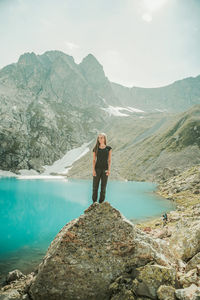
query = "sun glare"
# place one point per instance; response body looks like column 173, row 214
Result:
column 147, row 17
column 153, row 5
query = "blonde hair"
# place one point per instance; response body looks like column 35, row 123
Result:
column 95, row 149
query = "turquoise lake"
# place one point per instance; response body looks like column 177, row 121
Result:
column 33, row 211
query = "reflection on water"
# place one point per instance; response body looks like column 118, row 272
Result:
column 32, row 212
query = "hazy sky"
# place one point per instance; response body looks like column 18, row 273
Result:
column 145, row 43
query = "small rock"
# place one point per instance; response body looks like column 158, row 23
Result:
column 198, row 270
column 147, row 229
column 196, row 192
column 14, row 275
column 25, row 297
column 12, row 294
column 193, row 262
column 187, row 279
column 190, row 293
column 166, row 292
column 157, row 224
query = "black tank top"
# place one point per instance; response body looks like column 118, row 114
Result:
column 102, row 158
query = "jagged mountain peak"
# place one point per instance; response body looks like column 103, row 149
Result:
column 90, row 65
column 93, row 71
column 48, row 57
column 28, row 58
column 56, row 54
column 90, row 59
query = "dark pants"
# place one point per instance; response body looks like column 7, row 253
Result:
column 100, row 175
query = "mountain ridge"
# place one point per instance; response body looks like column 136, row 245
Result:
column 50, row 105
column 144, row 153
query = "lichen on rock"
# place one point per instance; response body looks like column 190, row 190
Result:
column 90, row 252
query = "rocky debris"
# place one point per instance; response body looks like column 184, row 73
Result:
column 188, row 278
column 17, row 288
column 95, row 249
column 185, row 239
column 166, row 292
column 183, row 188
column 11, row 294
column 193, row 263
column 144, row 281
column 190, row 293
column 14, row 275
column 168, row 173
column 177, row 220
column 151, row 277
column 161, row 233
column 182, row 234
column 102, row 255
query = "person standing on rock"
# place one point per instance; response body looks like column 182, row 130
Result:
column 101, row 166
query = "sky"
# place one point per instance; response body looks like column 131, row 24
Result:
column 144, row 43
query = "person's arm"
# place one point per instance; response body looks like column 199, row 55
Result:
column 94, row 162
column 109, row 162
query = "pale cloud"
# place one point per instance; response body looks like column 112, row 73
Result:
column 153, row 5
column 111, row 59
column 113, row 56
column 149, row 7
column 71, row 45
column 147, row 17
column 45, row 22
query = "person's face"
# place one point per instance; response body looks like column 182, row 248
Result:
column 101, row 139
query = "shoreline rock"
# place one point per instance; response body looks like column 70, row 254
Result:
column 105, row 256
column 91, row 252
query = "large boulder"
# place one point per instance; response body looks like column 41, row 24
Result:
column 193, row 262
column 185, row 240
column 90, row 252
column 16, row 287
column 190, row 293
column 151, row 277
column 144, row 282
column 168, row 173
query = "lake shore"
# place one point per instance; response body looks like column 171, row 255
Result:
column 184, row 191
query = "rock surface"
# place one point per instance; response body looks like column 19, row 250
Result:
column 102, row 255
column 17, row 289
column 183, row 188
column 166, row 292
column 190, row 293
column 90, row 252
column 14, row 275
column 48, row 107
column 185, row 240
column 193, row 262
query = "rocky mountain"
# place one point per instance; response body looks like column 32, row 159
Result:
column 102, row 255
column 50, row 105
column 151, row 144
column 93, row 71
column 47, row 108
column 178, row 96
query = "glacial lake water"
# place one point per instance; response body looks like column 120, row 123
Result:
column 33, row 211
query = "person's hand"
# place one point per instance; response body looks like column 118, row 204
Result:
column 107, row 172
column 94, row 173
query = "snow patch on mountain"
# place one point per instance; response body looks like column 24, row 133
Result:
column 116, row 110
column 60, row 166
